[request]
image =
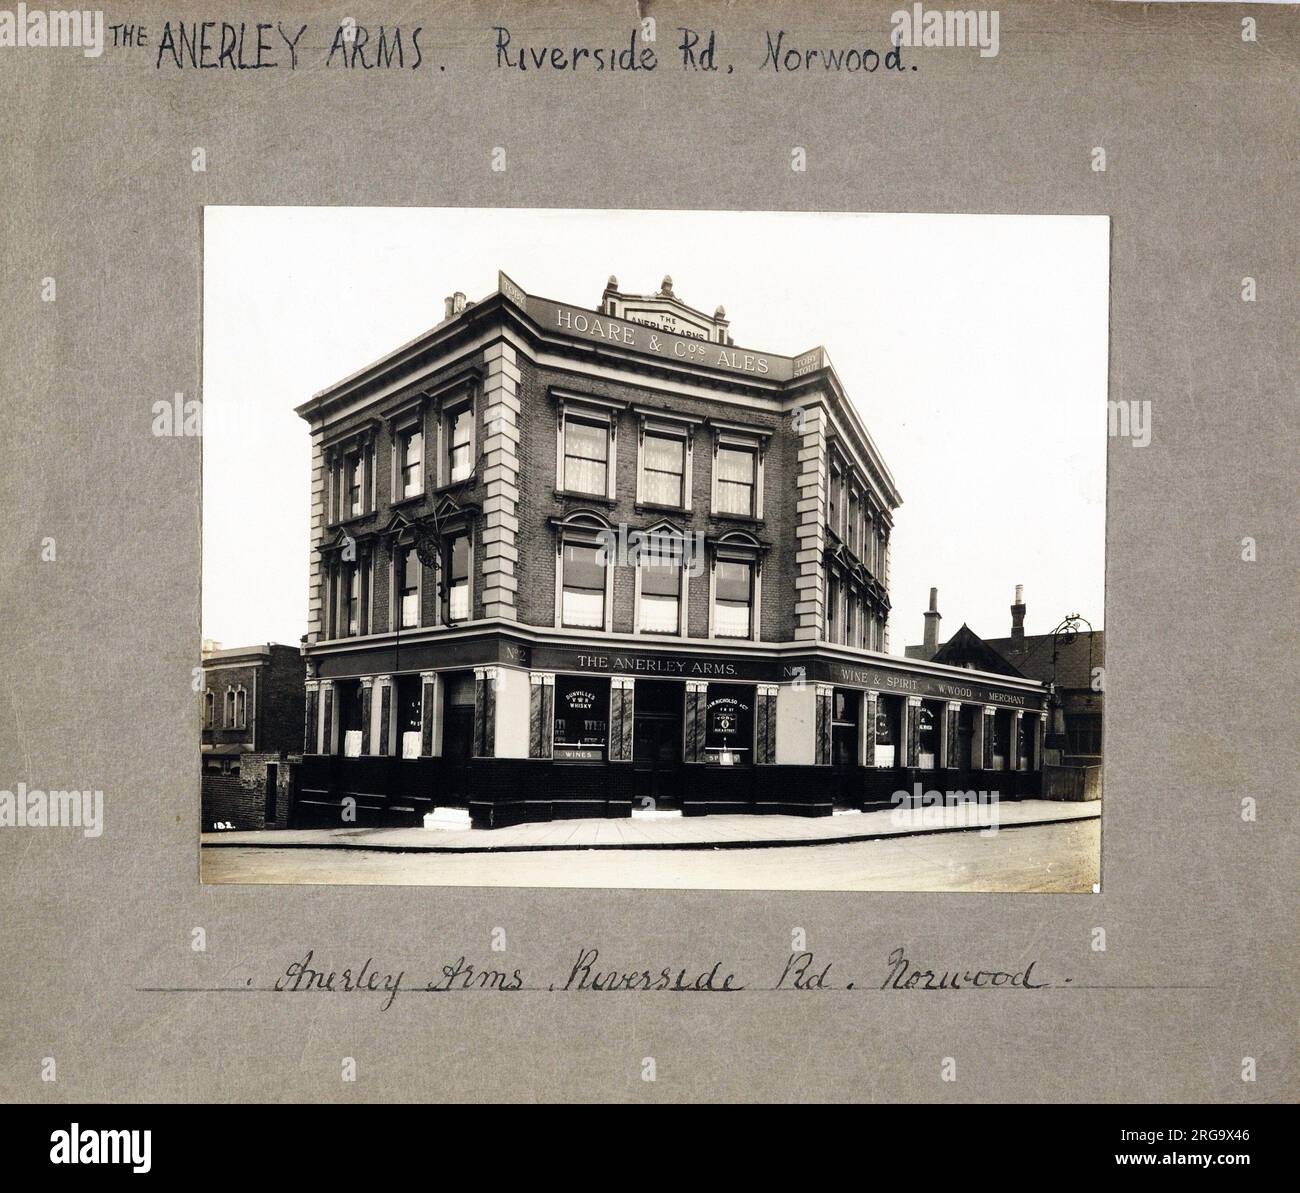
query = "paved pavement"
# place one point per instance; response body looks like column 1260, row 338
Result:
column 667, row 833
column 1046, row 858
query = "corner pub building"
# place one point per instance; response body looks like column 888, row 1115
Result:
column 571, row 563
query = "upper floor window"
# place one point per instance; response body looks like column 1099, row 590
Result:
column 354, row 471
column 737, row 472
column 586, row 456
column 661, row 593
column 408, row 587
column 663, row 469
column 458, row 427
column 733, row 598
column 455, row 599
column 234, row 713
column 851, row 530
column 209, row 708
column 351, row 594
column 410, row 463
column 833, row 502
column 582, row 599
column 832, row 606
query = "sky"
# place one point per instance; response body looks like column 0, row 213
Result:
column 974, row 348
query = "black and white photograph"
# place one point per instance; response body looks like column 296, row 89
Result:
column 659, row 554
column 529, row 563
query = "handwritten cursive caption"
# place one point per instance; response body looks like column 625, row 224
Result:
column 801, row 971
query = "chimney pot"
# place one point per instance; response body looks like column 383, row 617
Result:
column 448, row 307
column 932, row 620
column 1018, row 613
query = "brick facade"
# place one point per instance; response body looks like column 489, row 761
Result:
column 462, row 698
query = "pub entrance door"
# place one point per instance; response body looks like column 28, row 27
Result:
column 846, row 718
column 966, row 738
column 457, row 739
column 657, row 745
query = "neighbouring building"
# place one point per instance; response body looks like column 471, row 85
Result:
column 1071, row 663
column 252, row 705
column 574, row 561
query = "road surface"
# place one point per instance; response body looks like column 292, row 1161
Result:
column 1056, row 857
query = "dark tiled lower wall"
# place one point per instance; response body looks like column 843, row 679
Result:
column 503, row 791
column 511, row 791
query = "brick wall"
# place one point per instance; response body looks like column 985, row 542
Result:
column 217, row 681
column 273, row 693
column 280, row 689
column 538, row 503
column 241, row 800
column 324, row 531
column 529, row 468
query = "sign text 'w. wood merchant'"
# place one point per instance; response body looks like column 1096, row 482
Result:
column 606, row 329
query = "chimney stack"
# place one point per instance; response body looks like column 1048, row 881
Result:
column 1018, row 613
column 932, row 625
column 453, row 304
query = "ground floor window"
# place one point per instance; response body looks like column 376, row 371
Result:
column 929, row 718
column 1001, row 738
column 348, row 694
column 729, row 725
column 410, row 693
column 1083, row 734
column 845, row 716
column 966, row 737
column 581, row 718
column 1029, row 759
column 889, row 711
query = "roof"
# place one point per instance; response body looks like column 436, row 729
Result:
column 1030, row 656
column 966, row 647
column 252, row 654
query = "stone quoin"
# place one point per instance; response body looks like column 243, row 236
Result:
column 479, row 637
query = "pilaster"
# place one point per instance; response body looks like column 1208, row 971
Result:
column 499, row 552
column 541, row 714
column 810, row 525
column 622, row 696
